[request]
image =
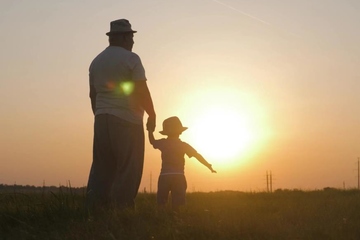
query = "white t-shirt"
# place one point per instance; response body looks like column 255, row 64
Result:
column 113, row 73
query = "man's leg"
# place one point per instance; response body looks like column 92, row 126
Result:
column 128, row 145
column 103, row 165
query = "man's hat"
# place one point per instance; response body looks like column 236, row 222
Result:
column 172, row 125
column 120, row 26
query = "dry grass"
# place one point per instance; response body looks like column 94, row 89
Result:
column 317, row 215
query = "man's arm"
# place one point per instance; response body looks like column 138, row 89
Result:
column 93, row 97
column 142, row 94
column 151, row 137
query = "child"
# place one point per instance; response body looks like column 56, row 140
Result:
column 172, row 178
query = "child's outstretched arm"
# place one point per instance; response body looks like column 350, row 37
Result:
column 201, row 159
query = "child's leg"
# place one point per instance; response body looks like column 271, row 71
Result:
column 178, row 191
column 163, row 191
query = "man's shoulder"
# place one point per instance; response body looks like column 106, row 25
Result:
column 120, row 50
column 126, row 55
column 113, row 52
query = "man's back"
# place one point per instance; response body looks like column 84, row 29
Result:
column 112, row 73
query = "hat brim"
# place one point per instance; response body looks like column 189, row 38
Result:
column 163, row 132
column 117, row 32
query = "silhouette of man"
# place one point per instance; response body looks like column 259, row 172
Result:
column 119, row 96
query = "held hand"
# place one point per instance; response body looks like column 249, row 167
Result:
column 151, row 124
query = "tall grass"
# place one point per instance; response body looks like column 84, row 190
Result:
column 217, row 215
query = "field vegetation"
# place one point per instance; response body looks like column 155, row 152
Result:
column 60, row 213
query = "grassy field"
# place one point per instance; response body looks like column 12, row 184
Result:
column 331, row 214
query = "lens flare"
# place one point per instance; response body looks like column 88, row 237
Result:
column 127, row 87
column 124, row 88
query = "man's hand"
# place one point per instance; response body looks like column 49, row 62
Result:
column 151, row 124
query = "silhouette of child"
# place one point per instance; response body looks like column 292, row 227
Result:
column 173, row 150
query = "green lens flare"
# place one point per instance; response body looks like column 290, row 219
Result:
column 127, row 87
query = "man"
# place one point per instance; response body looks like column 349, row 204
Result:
column 119, row 95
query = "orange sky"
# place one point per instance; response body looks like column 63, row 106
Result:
column 287, row 72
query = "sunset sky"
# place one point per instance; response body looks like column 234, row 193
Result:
column 262, row 86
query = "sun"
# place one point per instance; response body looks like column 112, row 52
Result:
column 221, row 134
column 224, row 132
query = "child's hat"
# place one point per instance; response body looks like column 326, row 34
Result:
column 172, row 125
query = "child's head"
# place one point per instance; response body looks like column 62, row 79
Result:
column 172, row 126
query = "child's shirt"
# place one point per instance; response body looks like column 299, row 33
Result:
column 172, row 155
